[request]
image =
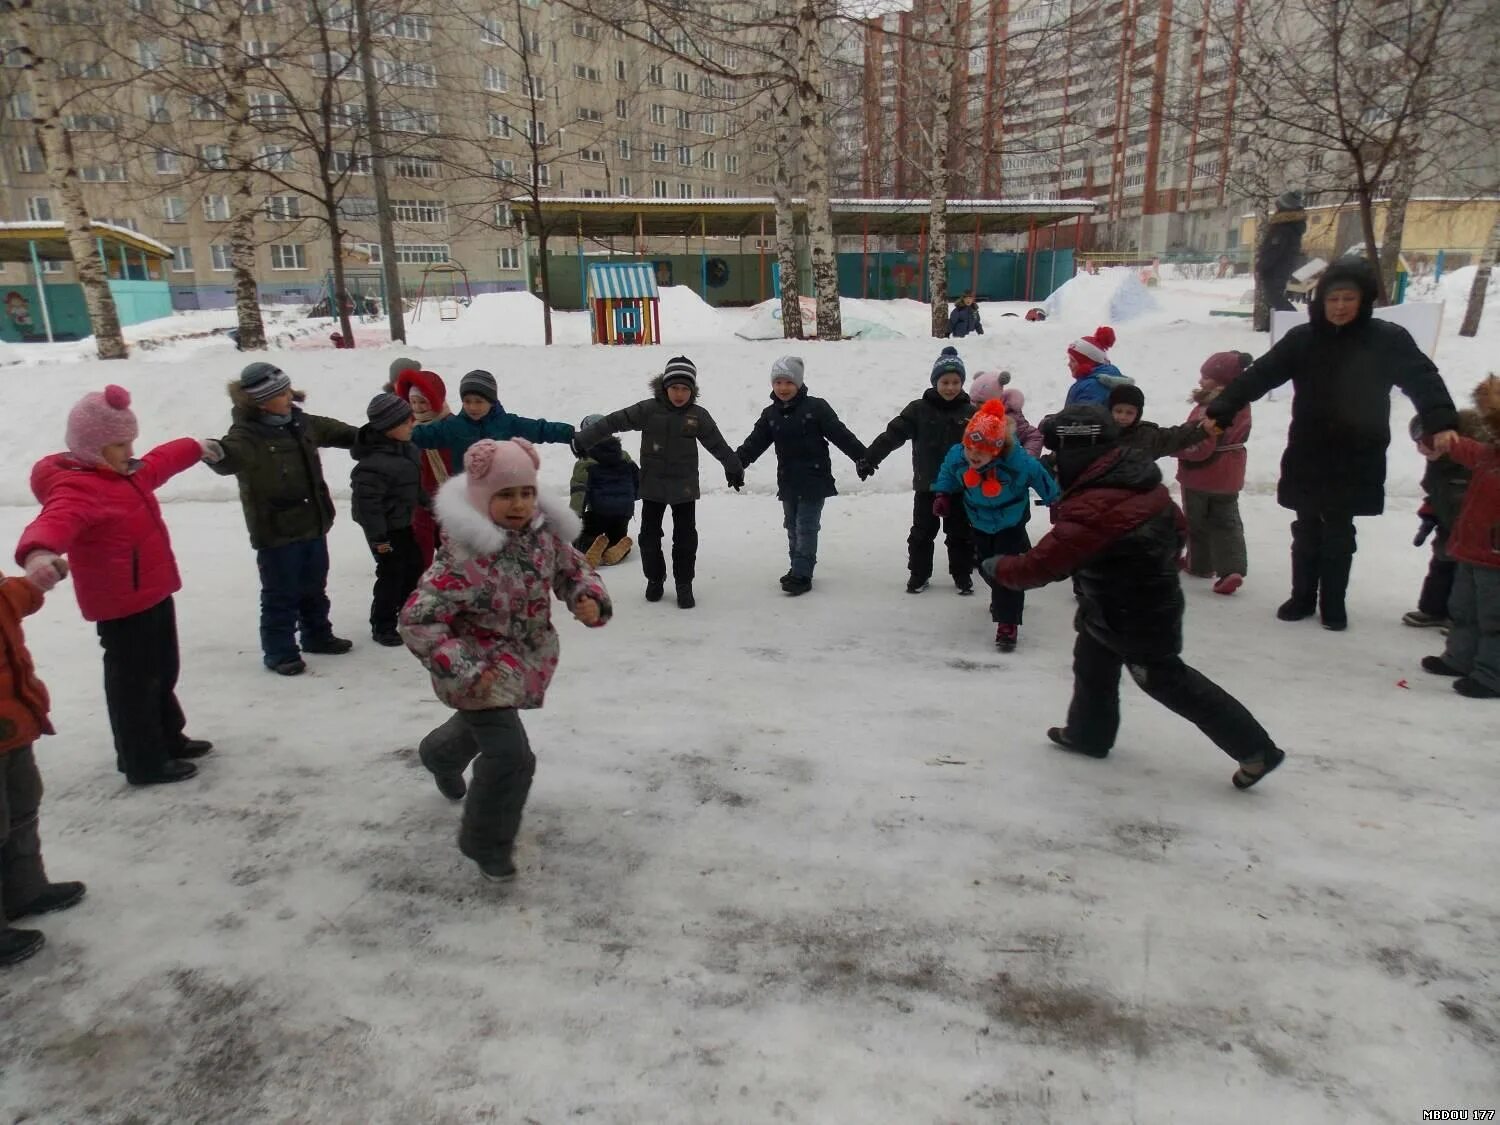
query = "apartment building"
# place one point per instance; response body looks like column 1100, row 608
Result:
column 1120, row 101
column 477, row 101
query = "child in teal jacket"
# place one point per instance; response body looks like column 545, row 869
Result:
column 482, row 416
column 996, row 477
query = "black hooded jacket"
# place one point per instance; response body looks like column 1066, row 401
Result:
column 933, row 425
column 669, row 444
column 1341, row 406
column 801, row 429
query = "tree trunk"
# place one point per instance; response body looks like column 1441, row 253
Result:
column 62, row 177
column 938, row 174
column 543, row 273
column 1260, row 317
column 1402, row 181
column 822, row 246
column 1367, row 227
column 340, row 297
column 394, row 310
column 252, row 330
column 786, row 222
column 1477, row 291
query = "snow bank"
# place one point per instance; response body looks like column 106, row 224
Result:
column 861, row 319
column 1112, row 296
column 513, row 317
column 686, row 316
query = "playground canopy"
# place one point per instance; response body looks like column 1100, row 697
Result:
column 740, row 218
column 48, row 242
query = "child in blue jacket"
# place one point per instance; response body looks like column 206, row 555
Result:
column 482, row 416
column 996, row 477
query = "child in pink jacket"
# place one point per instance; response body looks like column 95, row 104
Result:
column 481, row 622
column 99, row 508
column 1212, row 473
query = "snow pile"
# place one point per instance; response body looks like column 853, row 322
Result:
column 861, row 319
column 687, row 316
column 1453, row 290
column 1112, row 296
column 513, row 317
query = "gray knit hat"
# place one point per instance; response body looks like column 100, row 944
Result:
column 479, row 382
column 589, row 420
column 402, row 363
column 387, row 411
column 787, row 367
column 263, row 381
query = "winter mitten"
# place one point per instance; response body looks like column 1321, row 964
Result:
column 1424, row 529
column 864, row 469
column 942, row 504
column 45, row 570
column 213, row 452
column 735, row 480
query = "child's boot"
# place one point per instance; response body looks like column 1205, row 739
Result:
column 49, row 900
column 327, row 646
column 685, row 599
column 595, row 554
column 17, row 945
column 618, row 552
column 1005, row 637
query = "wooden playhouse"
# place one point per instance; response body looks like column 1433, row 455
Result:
column 624, row 305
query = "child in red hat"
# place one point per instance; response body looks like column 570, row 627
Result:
column 996, row 477
column 1212, row 474
column 428, row 396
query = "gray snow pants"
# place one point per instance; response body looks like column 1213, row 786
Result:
column 1474, row 637
column 22, row 876
column 1216, row 535
column 495, row 741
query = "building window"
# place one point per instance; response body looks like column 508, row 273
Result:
column 622, row 185
column 586, row 114
column 584, row 30
column 409, row 121
column 710, row 192
column 534, row 130
column 587, row 73
column 92, row 68
column 415, row 28
column 504, row 169
column 499, row 125
column 492, row 32
column 542, row 175
column 622, row 146
column 621, row 73
column 684, row 119
column 268, row 107
column 680, row 81
column 263, row 52
column 167, row 163
column 259, row 7
column 182, row 259
column 414, row 167
column 406, row 73
column 659, row 188
column 533, row 87
column 284, row 208
column 731, row 164
column 222, row 259
column 357, row 208
column 510, row 259
column 195, row 53
column 287, row 256
column 710, row 160
column 421, row 253
column 656, row 76
column 709, row 124
column 658, row 114
column 658, row 152
column 335, row 64
column 50, row 265
column 274, row 158
column 19, row 107
column 419, row 210
column 205, row 109
column 591, row 155
column 148, row 54
column 594, row 193
column 39, row 209
column 684, row 191
column 29, row 158
column 173, row 209
column 685, row 156
column 102, row 173
column 216, row 208
column 352, row 163
column 156, row 109
column 495, row 80
column 622, row 109
column 213, row 158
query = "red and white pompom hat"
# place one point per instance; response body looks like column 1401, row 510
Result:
column 1094, row 350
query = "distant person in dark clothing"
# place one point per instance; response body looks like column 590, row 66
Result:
column 1342, row 365
column 965, row 317
column 1278, row 254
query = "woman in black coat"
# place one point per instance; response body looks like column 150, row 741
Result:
column 1342, row 365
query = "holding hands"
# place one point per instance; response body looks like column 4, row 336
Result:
column 45, row 569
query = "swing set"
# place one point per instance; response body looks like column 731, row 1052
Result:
column 444, row 277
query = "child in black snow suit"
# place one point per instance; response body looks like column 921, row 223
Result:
column 387, row 482
column 933, row 424
column 801, row 428
column 606, row 484
column 1127, row 404
column 671, row 424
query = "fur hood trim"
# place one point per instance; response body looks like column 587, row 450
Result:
column 473, row 533
column 1487, row 402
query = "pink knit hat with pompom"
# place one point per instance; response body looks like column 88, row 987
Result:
column 493, row 465
column 99, row 419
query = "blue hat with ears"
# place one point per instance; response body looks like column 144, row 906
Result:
column 948, row 363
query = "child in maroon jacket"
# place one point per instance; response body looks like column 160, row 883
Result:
column 99, row 508
column 1212, row 473
column 1473, row 652
column 1117, row 532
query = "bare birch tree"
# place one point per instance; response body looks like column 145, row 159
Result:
column 1475, row 309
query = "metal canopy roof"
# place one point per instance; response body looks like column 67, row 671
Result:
column 738, row 218
column 51, row 241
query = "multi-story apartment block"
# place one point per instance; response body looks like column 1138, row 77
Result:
column 477, row 101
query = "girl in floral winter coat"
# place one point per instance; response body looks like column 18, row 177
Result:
column 481, row 622
column 99, row 509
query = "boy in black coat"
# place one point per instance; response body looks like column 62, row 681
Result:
column 387, row 482
column 801, row 427
column 933, row 424
column 605, row 486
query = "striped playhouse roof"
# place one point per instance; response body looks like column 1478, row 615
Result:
column 622, row 281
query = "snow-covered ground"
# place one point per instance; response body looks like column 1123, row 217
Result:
column 785, row 860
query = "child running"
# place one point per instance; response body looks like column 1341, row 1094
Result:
column 605, row 486
column 672, row 425
column 481, row 623
column 933, row 424
column 1211, row 474
column 387, row 485
column 99, row 509
column 996, row 478
column 800, row 427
